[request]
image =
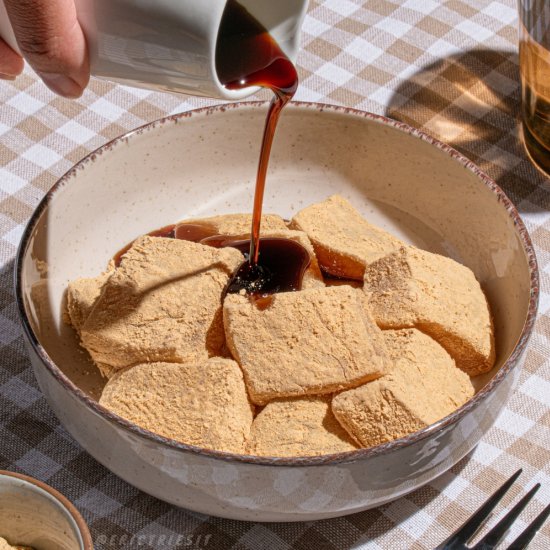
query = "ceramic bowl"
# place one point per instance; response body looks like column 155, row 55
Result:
column 204, row 163
column 33, row 514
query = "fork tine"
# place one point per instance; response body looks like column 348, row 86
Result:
column 494, row 536
column 530, row 531
column 468, row 530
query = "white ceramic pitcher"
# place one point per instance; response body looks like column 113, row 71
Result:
column 170, row 44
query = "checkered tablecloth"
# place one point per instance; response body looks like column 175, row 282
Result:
column 449, row 67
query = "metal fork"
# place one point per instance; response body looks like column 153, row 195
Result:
column 459, row 539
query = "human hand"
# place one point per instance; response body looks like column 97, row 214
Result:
column 51, row 41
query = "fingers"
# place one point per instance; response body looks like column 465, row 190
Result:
column 52, row 41
column 11, row 64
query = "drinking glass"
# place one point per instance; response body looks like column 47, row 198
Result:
column 534, row 62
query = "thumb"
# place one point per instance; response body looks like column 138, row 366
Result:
column 52, row 41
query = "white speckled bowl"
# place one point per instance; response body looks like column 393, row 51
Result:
column 33, row 514
column 204, row 163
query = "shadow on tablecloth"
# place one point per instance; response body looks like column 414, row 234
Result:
column 472, row 102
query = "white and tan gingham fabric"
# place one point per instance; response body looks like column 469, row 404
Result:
column 449, row 67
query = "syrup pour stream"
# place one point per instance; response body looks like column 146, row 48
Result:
column 247, row 55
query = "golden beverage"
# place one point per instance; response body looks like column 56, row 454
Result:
column 534, row 63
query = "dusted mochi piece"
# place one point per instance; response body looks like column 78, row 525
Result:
column 41, row 303
column 422, row 386
column 82, row 295
column 163, row 303
column 203, row 403
column 239, row 224
column 309, row 342
column 415, row 288
column 344, row 241
column 299, row 426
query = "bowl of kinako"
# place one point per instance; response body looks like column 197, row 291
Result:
column 407, row 292
column 37, row 517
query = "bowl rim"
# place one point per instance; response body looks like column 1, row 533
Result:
column 63, row 500
column 317, row 460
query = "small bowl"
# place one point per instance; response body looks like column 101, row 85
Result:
column 33, row 514
column 204, row 163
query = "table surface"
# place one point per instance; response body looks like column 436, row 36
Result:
column 449, row 67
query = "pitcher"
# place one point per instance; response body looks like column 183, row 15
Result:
column 170, row 44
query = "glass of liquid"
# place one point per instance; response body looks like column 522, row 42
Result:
column 534, row 62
